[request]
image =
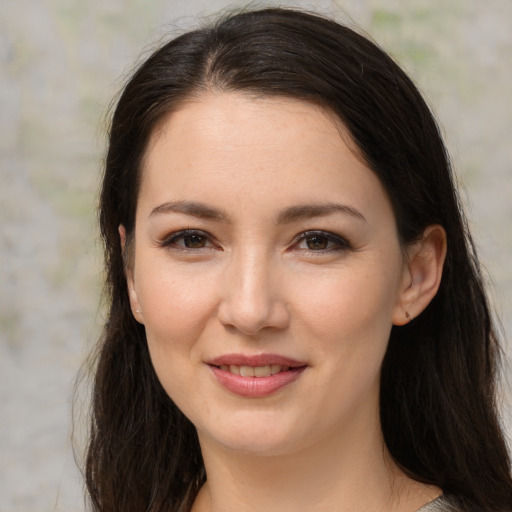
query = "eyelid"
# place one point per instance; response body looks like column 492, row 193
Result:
column 169, row 241
column 342, row 244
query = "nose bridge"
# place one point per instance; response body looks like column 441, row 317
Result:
column 252, row 300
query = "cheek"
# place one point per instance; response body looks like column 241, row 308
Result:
column 175, row 315
column 353, row 301
column 176, row 308
column 348, row 323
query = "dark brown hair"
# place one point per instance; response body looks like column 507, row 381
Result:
column 438, row 408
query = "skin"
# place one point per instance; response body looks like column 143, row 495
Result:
column 251, row 281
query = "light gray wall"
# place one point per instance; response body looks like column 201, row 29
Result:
column 60, row 64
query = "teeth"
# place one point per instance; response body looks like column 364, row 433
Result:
column 254, row 371
column 262, row 371
column 246, row 371
column 275, row 368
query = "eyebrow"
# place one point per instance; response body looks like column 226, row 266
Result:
column 199, row 210
column 307, row 211
column 286, row 216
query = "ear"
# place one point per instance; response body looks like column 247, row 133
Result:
column 422, row 274
column 130, row 283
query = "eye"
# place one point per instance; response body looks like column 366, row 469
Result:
column 188, row 239
column 194, row 241
column 321, row 241
column 317, row 242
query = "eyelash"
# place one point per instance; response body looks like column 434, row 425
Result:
column 334, row 243
column 337, row 243
column 172, row 240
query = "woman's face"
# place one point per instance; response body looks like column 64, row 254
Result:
column 267, row 271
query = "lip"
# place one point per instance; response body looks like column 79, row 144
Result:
column 255, row 360
column 255, row 387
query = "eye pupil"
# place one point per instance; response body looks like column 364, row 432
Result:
column 317, row 242
column 194, row 241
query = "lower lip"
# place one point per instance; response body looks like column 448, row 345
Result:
column 256, row 387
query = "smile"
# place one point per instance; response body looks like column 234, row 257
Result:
column 254, row 371
column 255, row 376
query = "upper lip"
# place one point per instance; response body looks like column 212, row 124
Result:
column 255, row 360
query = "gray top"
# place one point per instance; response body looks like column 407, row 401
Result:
column 441, row 504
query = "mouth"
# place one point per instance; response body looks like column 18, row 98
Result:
column 256, row 376
column 254, row 371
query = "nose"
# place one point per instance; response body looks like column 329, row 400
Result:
column 253, row 298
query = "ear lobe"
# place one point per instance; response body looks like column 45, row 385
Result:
column 422, row 276
column 122, row 236
column 130, row 282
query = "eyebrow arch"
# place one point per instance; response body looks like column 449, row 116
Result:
column 287, row 216
column 301, row 212
column 194, row 209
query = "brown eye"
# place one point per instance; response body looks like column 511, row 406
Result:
column 188, row 239
column 194, row 241
column 317, row 243
column 321, row 242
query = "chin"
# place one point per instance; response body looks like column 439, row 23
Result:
column 258, row 436
column 264, row 447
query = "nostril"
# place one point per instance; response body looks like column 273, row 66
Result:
column 251, row 301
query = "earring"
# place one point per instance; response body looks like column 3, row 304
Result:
column 138, row 311
column 407, row 315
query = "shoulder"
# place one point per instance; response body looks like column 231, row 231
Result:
column 448, row 503
column 442, row 504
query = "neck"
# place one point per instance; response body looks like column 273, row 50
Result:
column 333, row 474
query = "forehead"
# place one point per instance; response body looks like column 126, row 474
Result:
column 228, row 144
column 275, row 115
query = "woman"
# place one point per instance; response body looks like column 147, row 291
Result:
column 297, row 318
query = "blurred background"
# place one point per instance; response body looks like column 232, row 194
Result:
column 61, row 63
